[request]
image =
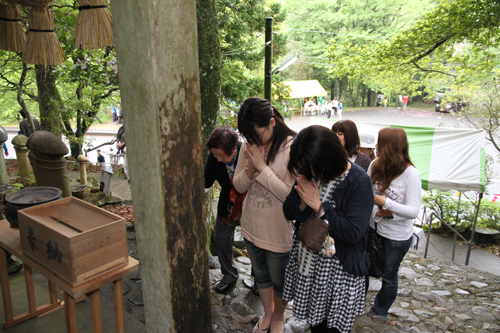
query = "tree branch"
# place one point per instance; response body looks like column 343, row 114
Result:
column 431, row 70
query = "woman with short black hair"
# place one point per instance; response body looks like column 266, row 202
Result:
column 262, row 170
column 224, row 148
column 328, row 287
column 347, row 132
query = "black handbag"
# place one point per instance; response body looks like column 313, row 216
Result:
column 375, row 251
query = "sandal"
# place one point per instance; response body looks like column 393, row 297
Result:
column 257, row 328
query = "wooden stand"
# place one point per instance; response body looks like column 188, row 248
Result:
column 10, row 241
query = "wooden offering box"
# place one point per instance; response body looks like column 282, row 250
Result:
column 74, row 240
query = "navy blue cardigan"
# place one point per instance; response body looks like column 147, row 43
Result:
column 215, row 170
column 349, row 220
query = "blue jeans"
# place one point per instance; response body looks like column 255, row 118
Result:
column 394, row 252
column 268, row 267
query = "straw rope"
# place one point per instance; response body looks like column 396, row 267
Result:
column 42, row 46
column 31, row 3
column 94, row 27
column 12, row 35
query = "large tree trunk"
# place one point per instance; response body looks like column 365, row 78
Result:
column 210, row 86
column 49, row 100
column 210, row 66
column 157, row 50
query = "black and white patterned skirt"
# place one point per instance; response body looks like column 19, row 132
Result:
column 321, row 289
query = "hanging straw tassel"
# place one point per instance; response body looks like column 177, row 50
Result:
column 31, row 3
column 12, row 36
column 42, row 47
column 94, row 28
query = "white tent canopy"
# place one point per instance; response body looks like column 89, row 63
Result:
column 447, row 158
column 303, row 89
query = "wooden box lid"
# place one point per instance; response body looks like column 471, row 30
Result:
column 69, row 216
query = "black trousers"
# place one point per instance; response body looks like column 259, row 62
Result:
column 224, row 239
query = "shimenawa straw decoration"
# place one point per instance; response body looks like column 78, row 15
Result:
column 31, row 3
column 42, row 47
column 94, row 27
column 12, row 35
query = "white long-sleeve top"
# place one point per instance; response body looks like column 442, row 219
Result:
column 404, row 196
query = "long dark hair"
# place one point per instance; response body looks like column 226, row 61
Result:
column 351, row 136
column 258, row 112
column 317, row 149
column 392, row 156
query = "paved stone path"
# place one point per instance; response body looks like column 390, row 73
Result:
column 434, row 296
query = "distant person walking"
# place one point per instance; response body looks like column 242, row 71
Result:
column 335, row 105
column 100, row 157
column 5, row 149
column 405, row 101
column 329, row 108
column 24, row 126
column 341, row 106
column 112, row 111
column 400, row 101
column 380, row 97
column 119, row 113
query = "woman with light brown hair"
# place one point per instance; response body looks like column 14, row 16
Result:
column 397, row 186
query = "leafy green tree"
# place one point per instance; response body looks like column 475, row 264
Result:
column 455, row 44
column 68, row 96
column 242, row 27
column 312, row 27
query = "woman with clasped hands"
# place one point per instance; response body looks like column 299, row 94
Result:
column 397, row 186
column 262, row 170
column 327, row 287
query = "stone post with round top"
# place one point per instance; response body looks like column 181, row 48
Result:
column 47, row 159
column 4, row 178
column 23, row 163
column 83, row 169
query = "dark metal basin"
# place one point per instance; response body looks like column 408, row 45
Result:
column 28, row 198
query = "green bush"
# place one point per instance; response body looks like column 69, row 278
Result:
column 446, row 204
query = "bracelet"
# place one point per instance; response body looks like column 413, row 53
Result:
column 321, row 211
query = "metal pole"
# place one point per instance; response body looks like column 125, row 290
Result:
column 269, row 59
column 455, row 235
column 473, row 229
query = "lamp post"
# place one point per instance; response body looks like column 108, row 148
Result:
column 269, row 58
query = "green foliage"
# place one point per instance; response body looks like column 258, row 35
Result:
column 456, row 44
column 73, row 91
column 241, row 30
column 446, row 205
column 314, row 26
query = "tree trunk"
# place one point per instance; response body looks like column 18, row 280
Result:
column 332, row 90
column 49, row 100
column 210, row 66
column 369, row 98
column 363, row 97
column 337, row 87
column 157, row 51
column 20, row 98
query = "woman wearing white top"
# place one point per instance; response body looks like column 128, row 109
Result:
column 397, row 186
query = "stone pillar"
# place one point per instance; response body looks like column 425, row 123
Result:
column 4, row 178
column 83, row 171
column 157, row 51
column 23, row 163
column 47, row 159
